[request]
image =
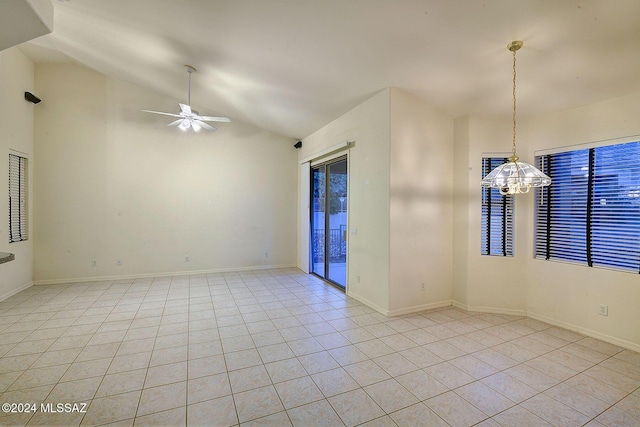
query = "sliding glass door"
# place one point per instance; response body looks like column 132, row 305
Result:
column 329, row 206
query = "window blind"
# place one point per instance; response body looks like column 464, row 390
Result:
column 591, row 212
column 17, row 198
column 496, row 230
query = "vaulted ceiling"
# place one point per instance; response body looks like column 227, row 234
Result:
column 291, row 66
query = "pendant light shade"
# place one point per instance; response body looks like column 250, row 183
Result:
column 515, row 177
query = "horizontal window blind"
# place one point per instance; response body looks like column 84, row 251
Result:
column 591, row 212
column 17, row 198
column 496, row 230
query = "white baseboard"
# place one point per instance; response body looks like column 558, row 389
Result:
column 491, row 310
column 366, row 302
column 12, row 292
column 417, row 308
column 585, row 331
column 163, row 274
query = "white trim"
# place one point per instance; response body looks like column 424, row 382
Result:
column 366, row 302
column 165, row 274
column 500, row 154
column 320, row 154
column 15, row 291
column 587, row 145
column 304, row 226
column 585, row 331
column 19, row 153
column 492, row 310
column 417, row 308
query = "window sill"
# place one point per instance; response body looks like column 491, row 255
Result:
column 6, row 257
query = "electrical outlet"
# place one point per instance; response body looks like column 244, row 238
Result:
column 118, row 262
column 422, row 287
column 357, row 279
column 266, row 254
column 94, row 263
column 603, row 310
column 186, row 258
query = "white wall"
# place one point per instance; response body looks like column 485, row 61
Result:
column 115, row 183
column 560, row 293
column 420, row 205
column 368, row 250
column 566, row 294
column 16, row 133
column 485, row 283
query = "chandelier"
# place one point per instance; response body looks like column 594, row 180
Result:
column 515, row 177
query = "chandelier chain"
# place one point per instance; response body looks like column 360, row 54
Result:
column 514, row 103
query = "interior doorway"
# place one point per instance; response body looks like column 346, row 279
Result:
column 329, row 208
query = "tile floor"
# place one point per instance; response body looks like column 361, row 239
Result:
column 282, row 348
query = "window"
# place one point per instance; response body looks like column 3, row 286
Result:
column 17, row 198
column 591, row 212
column 496, row 231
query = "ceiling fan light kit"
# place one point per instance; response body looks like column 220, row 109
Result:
column 188, row 118
column 515, row 177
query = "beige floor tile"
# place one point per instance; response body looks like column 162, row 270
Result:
column 421, row 357
column 34, row 377
column 473, row 366
column 532, row 377
column 284, row 370
column 455, row 410
column 484, row 398
column 200, row 337
column 390, row 395
column 166, row 374
column 422, row 385
column 166, row 356
column 578, row 400
column 275, row 352
column 20, row 363
column 554, row 412
column 249, row 378
column 418, row 415
column 366, row 373
column 246, row 403
column 242, row 359
column 75, row 391
column 221, row 409
column 334, row 381
column 280, row 419
column 173, row 417
column 395, row 364
column 316, row 414
column 110, row 409
column 204, row 349
column 129, row 362
column 509, row 387
column 208, row 388
column 157, row 399
column 613, row 378
column 86, row 369
column 355, row 407
column 449, row 375
column 122, row 382
column 298, row 392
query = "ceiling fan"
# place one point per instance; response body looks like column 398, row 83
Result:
column 188, row 118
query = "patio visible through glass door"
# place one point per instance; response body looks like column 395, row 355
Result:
column 329, row 205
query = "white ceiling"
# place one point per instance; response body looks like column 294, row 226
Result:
column 292, row 66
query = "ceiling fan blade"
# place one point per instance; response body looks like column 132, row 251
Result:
column 185, row 108
column 160, row 112
column 204, row 125
column 215, row 119
column 175, row 123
